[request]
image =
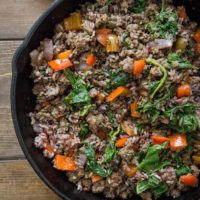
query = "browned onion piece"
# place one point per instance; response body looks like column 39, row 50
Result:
column 48, row 49
column 160, row 44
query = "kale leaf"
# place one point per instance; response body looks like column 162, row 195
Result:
column 152, row 161
column 151, row 108
column 154, row 184
column 182, row 118
column 160, row 189
column 165, row 23
column 79, row 94
column 177, row 60
column 83, row 129
column 112, row 119
column 118, row 78
column 92, row 163
column 138, row 6
column 85, row 110
column 182, row 170
column 111, row 151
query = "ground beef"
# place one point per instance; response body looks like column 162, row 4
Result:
column 66, row 128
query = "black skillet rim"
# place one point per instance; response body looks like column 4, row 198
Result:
column 13, row 97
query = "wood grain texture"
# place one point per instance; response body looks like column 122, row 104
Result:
column 9, row 146
column 17, row 16
column 18, row 181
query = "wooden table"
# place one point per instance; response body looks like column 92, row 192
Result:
column 18, row 181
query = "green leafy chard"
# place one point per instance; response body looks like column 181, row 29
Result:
column 111, row 151
column 138, row 6
column 79, row 94
column 182, row 170
column 83, row 129
column 164, row 24
column 124, row 42
column 161, row 189
column 177, row 60
column 85, row 110
column 151, row 108
column 109, row 2
column 92, row 163
column 111, row 117
column 118, row 78
column 182, row 118
column 152, row 86
column 154, row 184
column 152, row 161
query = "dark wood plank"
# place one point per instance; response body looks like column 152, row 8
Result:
column 17, row 16
column 9, row 146
column 19, row 181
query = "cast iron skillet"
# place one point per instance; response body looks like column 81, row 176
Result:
column 23, row 100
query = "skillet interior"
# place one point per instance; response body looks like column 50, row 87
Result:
column 23, row 100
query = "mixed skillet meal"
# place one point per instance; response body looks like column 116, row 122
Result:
column 118, row 98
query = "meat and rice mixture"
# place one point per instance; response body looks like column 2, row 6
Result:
column 118, row 98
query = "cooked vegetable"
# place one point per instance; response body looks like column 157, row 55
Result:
column 138, row 67
column 121, row 90
column 92, row 163
column 161, row 26
column 118, row 78
column 196, row 159
column 188, row 180
column 161, row 189
column 96, row 178
column 183, row 91
column 157, row 139
column 113, row 43
column 154, row 184
column 178, row 61
column 138, row 6
column 151, row 108
column 134, row 112
column 91, row 59
column 177, row 142
column 160, row 44
column 48, row 49
column 64, row 54
column 83, row 129
column 111, row 151
column 60, row 64
column 197, row 48
column 85, row 110
column 112, row 119
column 152, row 160
column 102, row 35
column 130, row 170
column 128, row 128
column 124, row 39
column 121, row 142
column 182, row 12
column 49, row 148
column 109, row 2
column 182, row 170
column 73, row 22
column 164, row 78
column 182, row 118
column 196, row 35
column 79, row 93
column 181, row 43
column 64, row 163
